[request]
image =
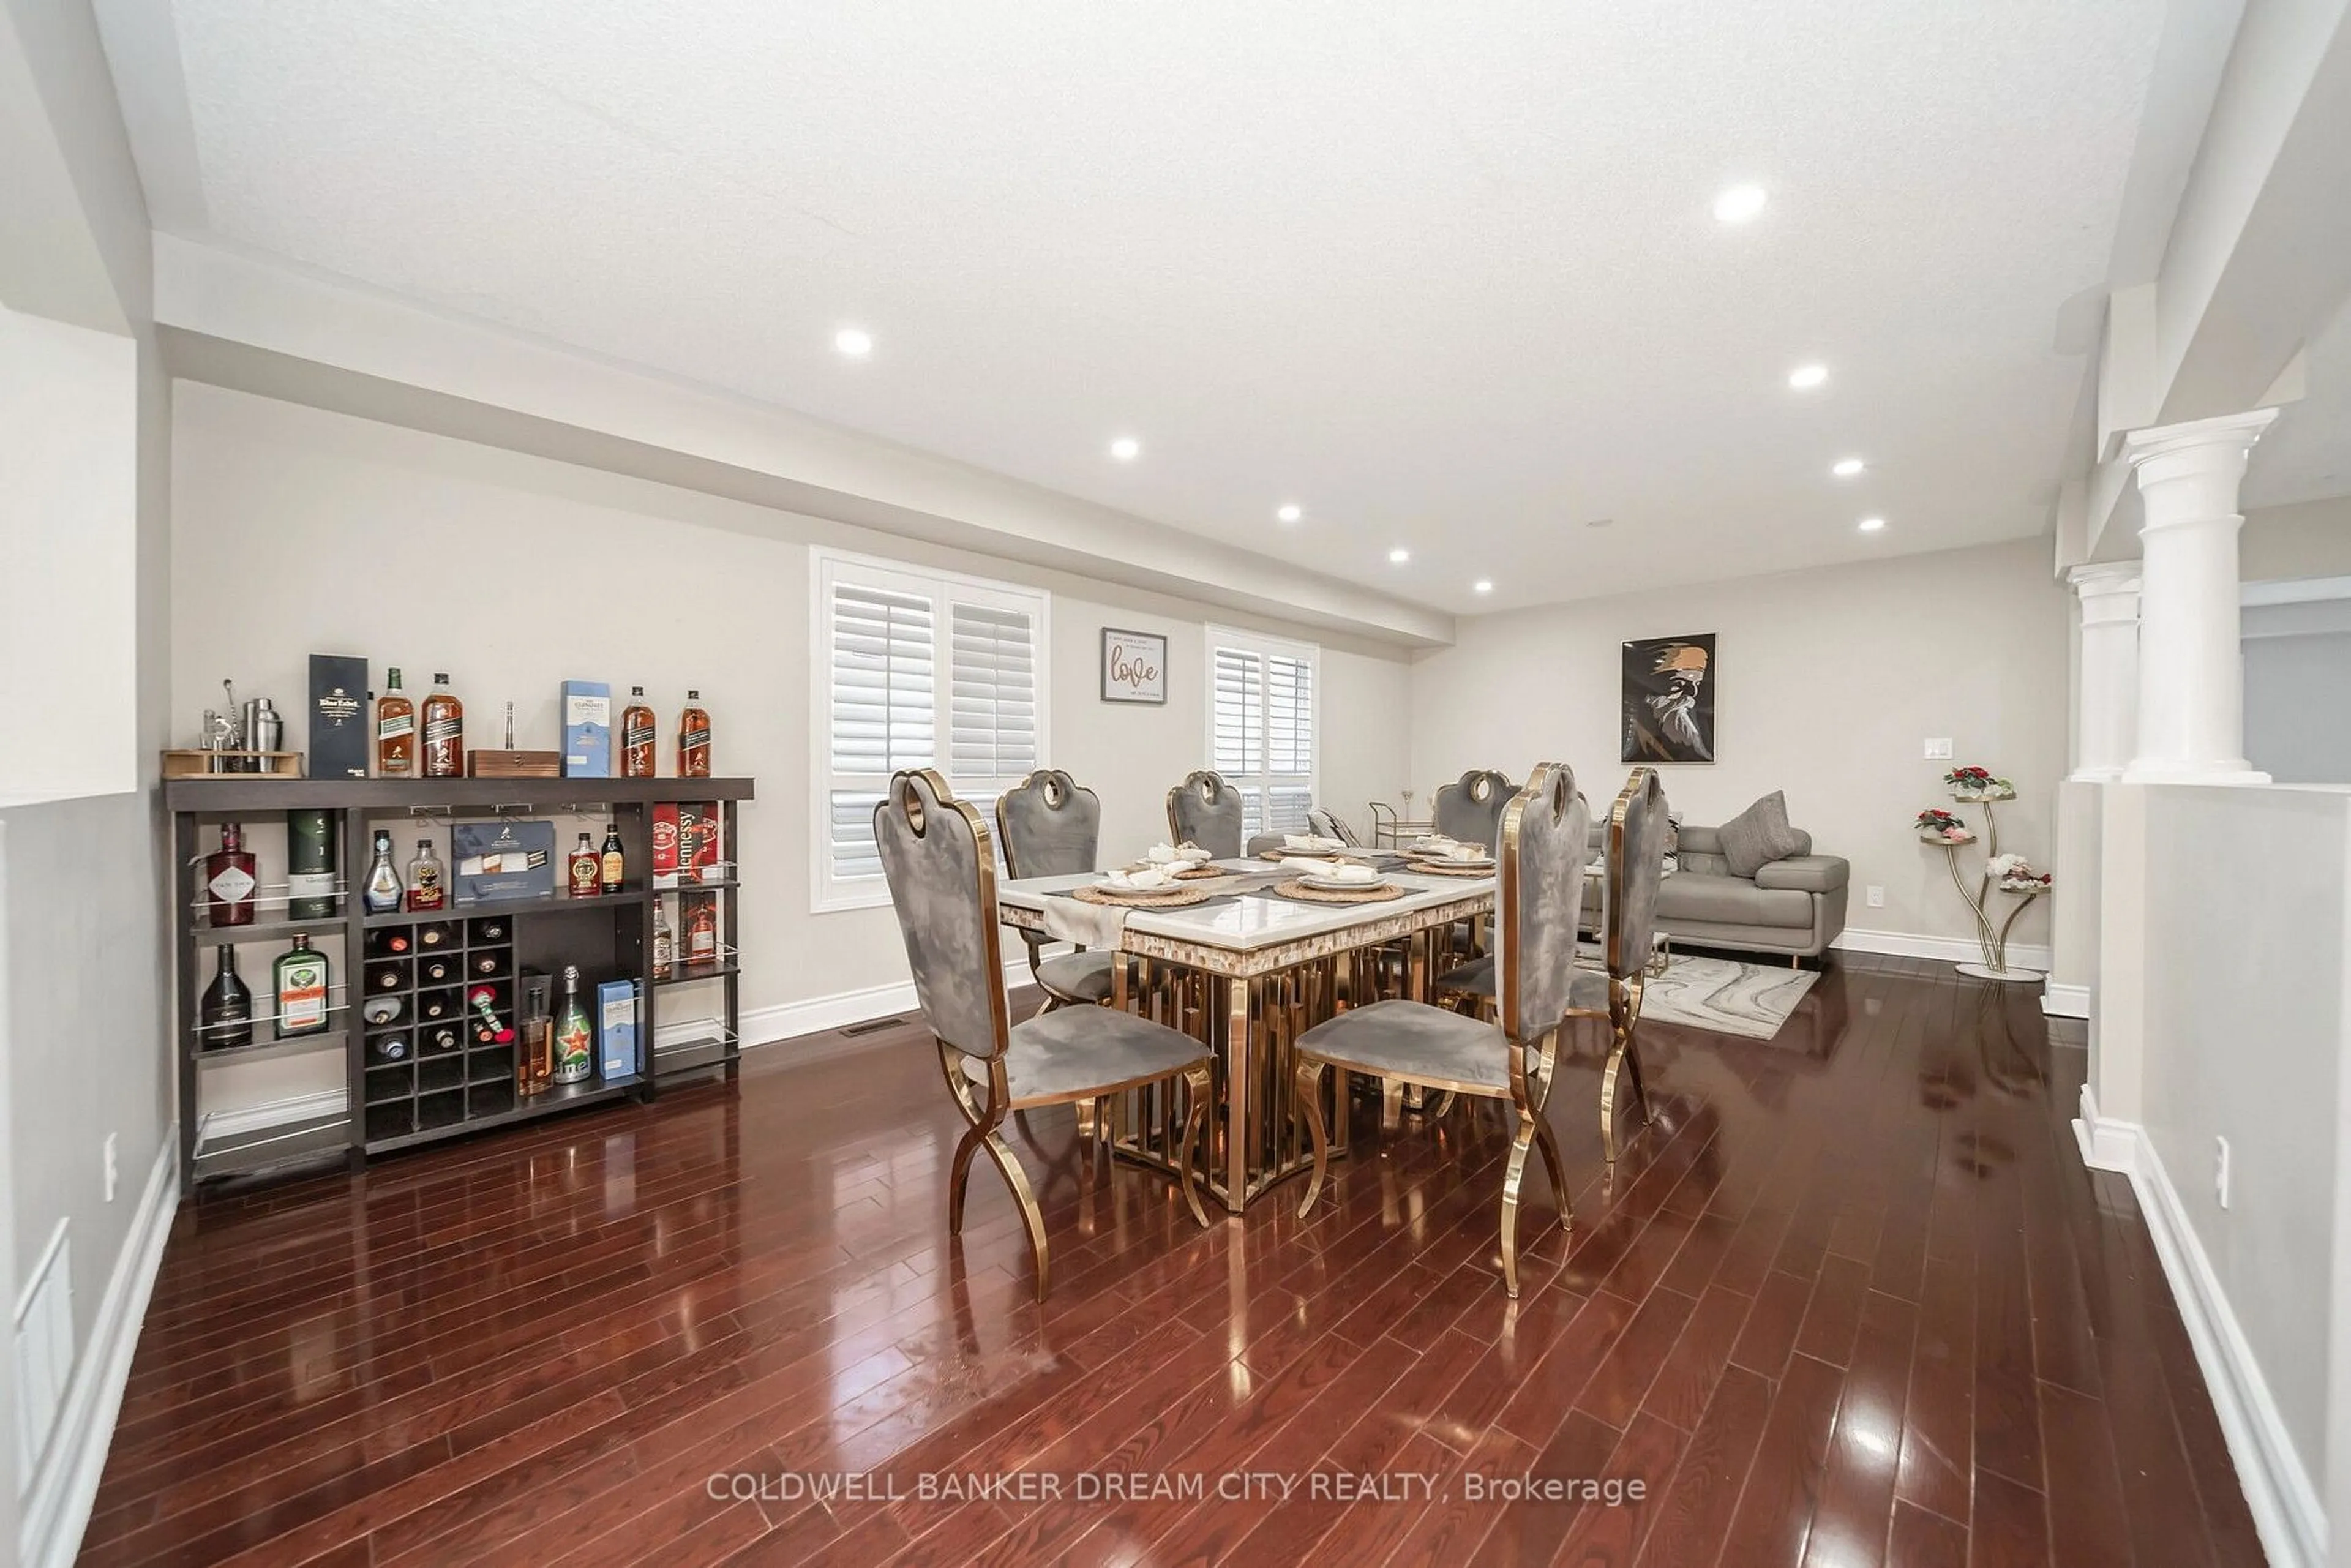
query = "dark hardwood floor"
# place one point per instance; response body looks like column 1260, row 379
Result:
column 1852, row 1300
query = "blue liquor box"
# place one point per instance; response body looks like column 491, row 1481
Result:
column 501, row 860
column 587, row 729
column 616, row 1028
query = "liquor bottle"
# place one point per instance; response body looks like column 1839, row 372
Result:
column 395, row 730
column 637, row 737
column 490, row 931
column 488, row 1028
column 395, row 943
column 535, row 1062
column 310, row 865
column 486, row 962
column 432, row 935
column 694, row 739
column 612, row 868
column 439, row 971
column 444, row 733
column 575, row 1037
column 664, row 944
column 301, row 985
column 382, row 894
column 228, row 879
column 442, row 1040
column 225, row 1017
column 587, row 871
column 701, row 932
column 424, row 889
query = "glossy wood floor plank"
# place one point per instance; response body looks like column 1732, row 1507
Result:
column 1849, row 1299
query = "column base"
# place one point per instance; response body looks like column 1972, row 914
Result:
column 2236, row 770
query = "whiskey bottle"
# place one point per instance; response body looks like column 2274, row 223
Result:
column 612, row 867
column 664, row 944
column 701, row 932
column 395, row 730
column 535, row 1062
column 310, row 865
column 575, row 1037
column 382, row 894
column 301, row 985
column 637, row 737
column 424, row 887
column 587, row 870
column 444, row 733
column 694, row 739
column 225, row 1018
column 228, row 879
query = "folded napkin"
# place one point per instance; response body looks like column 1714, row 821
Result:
column 1329, row 871
column 1186, row 853
column 1310, row 842
column 1435, row 842
column 1457, row 851
column 1150, row 879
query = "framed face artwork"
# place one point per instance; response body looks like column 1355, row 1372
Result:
column 1669, row 711
column 1134, row 666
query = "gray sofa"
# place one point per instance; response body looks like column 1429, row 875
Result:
column 1794, row 907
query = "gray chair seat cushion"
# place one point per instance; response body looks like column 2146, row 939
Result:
column 1076, row 977
column 1697, row 898
column 1397, row 1039
column 1058, row 1055
column 1588, row 989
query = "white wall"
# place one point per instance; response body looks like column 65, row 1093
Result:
column 2297, row 671
column 1827, row 682
column 2309, row 538
column 298, row 531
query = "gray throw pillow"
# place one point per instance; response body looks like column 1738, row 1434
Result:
column 1760, row 835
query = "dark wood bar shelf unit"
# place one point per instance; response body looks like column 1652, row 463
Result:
column 420, row 1075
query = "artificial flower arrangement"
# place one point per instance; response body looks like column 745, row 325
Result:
column 1937, row 826
column 2015, row 874
column 2009, row 873
column 1972, row 783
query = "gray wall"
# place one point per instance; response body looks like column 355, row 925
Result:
column 2298, row 691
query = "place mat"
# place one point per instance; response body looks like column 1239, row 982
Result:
column 1294, row 889
column 1332, row 856
column 1438, row 868
column 1202, row 873
column 1089, row 894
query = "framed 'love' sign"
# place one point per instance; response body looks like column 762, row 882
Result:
column 1134, row 666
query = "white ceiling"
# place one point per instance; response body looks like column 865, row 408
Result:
column 1443, row 274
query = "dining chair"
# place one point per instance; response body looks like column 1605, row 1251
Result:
column 1538, row 898
column 1205, row 810
column 1631, row 868
column 1470, row 808
column 941, row 869
column 1331, row 825
column 1051, row 825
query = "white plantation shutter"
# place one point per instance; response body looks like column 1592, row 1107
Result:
column 1261, row 727
column 915, row 669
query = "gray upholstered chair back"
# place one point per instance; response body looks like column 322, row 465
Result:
column 941, row 876
column 1205, row 810
column 1470, row 808
column 1633, row 868
column 1543, row 830
column 1051, row 825
column 1331, row 825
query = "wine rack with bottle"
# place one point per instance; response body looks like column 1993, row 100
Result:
column 420, row 1059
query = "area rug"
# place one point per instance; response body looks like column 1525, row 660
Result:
column 1752, row 1001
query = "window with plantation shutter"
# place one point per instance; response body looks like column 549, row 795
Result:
column 914, row 669
column 1261, row 726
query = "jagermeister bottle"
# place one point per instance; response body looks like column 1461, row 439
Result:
column 310, row 865
column 382, row 892
column 302, row 983
column 575, row 1037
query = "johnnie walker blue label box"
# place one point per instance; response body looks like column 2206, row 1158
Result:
column 339, row 717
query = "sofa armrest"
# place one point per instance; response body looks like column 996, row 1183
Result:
column 1805, row 874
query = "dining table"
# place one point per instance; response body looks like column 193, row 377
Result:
column 1248, row 969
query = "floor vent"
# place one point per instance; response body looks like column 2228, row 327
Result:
column 45, row 1354
column 871, row 1025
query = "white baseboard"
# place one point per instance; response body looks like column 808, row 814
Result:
column 56, row 1506
column 2106, row 1145
column 1950, row 950
column 2061, row 1001
column 2277, row 1487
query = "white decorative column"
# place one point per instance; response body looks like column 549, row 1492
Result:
column 2107, row 724
column 2192, row 694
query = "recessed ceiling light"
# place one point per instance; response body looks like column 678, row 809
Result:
column 1804, row 376
column 1126, row 449
column 1871, row 525
column 1740, row 203
column 1291, row 513
column 1483, row 585
column 1848, row 468
column 854, row 341
column 1398, row 556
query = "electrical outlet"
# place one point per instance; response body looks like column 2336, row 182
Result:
column 109, row 1167
column 2220, row 1170
column 1938, row 748
column 1877, row 896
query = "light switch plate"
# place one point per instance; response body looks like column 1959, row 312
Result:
column 1938, row 748
column 1877, row 896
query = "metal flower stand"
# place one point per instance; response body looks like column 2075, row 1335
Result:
column 1991, row 936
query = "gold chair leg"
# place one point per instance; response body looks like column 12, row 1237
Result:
column 1548, row 1142
column 959, row 1177
column 1513, row 1175
column 1308, row 1085
column 1622, row 1062
column 1196, row 1083
column 1017, row 1180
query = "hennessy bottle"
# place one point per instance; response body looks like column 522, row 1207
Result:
column 311, row 864
column 425, row 884
column 380, row 895
column 575, row 1037
column 228, row 879
column 637, row 737
column 395, row 730
column 612, row 867
column 301, row 986
column 694, row 739
column 701, row 932
column 225, row 1018
column 587, row 871
column 444, row 733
